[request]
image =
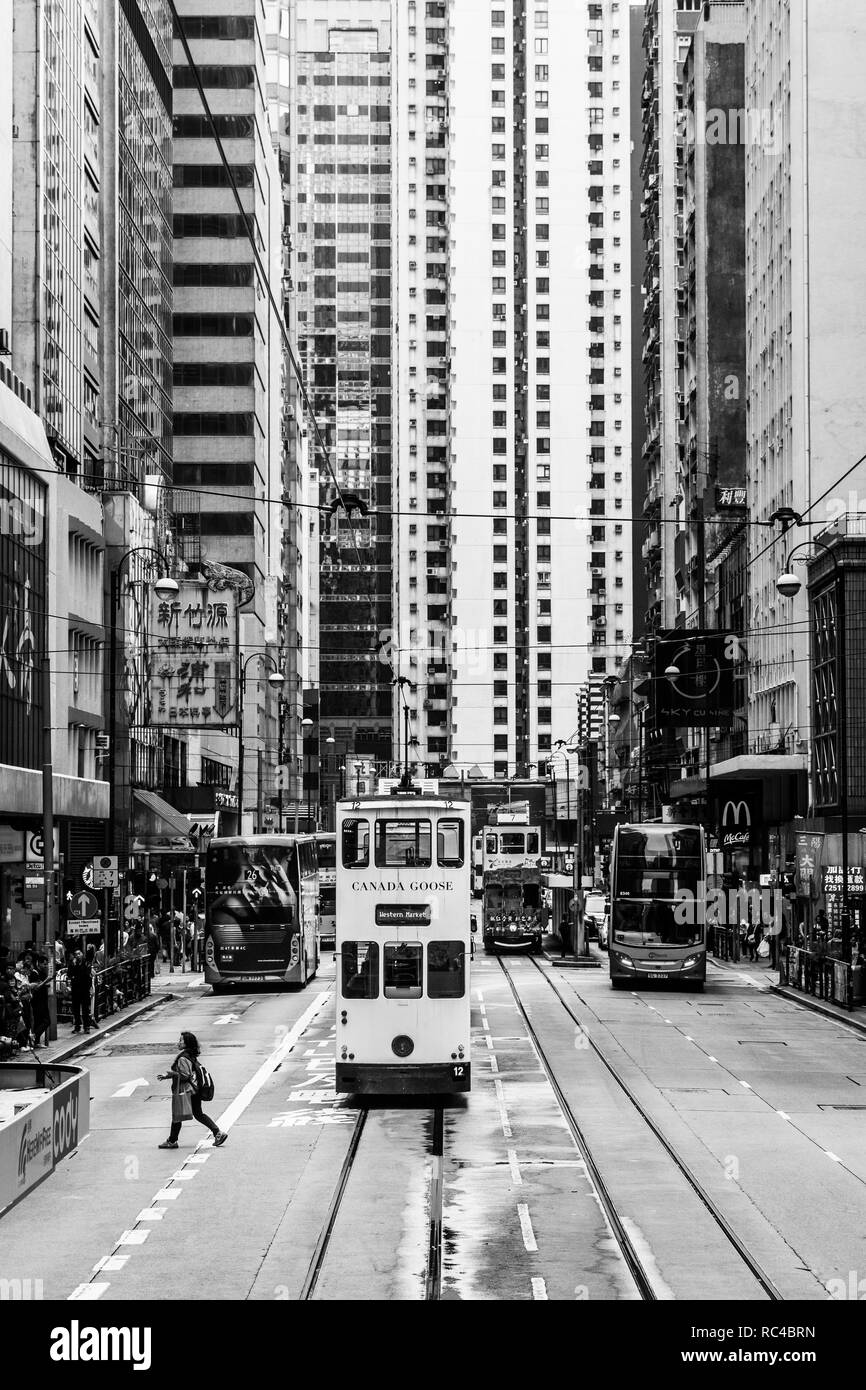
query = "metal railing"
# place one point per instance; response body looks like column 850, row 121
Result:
column 726, row 943
column 822, row 976
column 124, row 981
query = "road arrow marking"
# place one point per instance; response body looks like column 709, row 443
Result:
column 226, row 1018
column 128, row 1087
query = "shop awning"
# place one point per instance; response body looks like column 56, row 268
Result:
column 157, row 827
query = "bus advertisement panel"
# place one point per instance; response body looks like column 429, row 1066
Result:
column 260, row 910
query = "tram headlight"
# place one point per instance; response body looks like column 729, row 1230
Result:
column 402, row 1046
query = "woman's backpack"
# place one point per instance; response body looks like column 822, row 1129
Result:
column 204, row 1082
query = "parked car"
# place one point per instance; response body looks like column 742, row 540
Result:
column 593, row 912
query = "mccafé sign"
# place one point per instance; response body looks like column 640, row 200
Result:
column 738, row 817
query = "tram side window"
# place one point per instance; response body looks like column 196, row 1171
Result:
column 402, row 842
column 356, row 844
column 532, row 845
column 446, row 969
column 491, row 844
column 449, row 844
column 402, row 970
column 360, row 967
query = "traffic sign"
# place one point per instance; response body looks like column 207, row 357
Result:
column 83, row 904
column 84, row 927
column 105, row 871
column 34, row 846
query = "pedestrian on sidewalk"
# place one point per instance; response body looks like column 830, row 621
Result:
column 80, row 978
column 39, row 990
column 152, row 947
column 185, row 1100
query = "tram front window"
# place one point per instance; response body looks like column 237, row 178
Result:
column 402, row 970
column 511, row 843
column 356, row 844
column 360, row 967
column 445, row 969
column 449, row 844
column 402, row 842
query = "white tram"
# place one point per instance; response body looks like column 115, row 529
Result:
column 404, row 863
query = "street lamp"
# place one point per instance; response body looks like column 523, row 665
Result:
column 789, row 585
column 165, row 588
column 276, row 680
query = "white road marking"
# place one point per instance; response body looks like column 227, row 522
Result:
column 539, row 1290
column 783, row 1115
column 199, row 1157
column 503, row 1113
column 835, row 1157
column 746, row 1084
column 712, row 1059
column 489, row 1041
column 494, row 1065
column 514, row 1166
column 526, row 1230
column 688, row 1039
column 183, row 1176
column 110, row 1262
column 88, row 1292
column 133, row 1237
column 255, row 1084
column 167, row 1194
column 667, row 1020
column 151, row 1214
column 126, row 1090
column 479, row 994
column 225, row 1019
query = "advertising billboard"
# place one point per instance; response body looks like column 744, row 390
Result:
column 23, row 564
column 192, row 657
column 699, row 692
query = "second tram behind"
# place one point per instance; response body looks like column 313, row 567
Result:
column 403, row 944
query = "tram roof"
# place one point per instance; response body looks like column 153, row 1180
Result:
column 275, row 839
column 407, row 799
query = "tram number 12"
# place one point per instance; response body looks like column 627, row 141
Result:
column 458, row 1071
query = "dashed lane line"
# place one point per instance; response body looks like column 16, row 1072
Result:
column 529, row 1241
column 539, row 1290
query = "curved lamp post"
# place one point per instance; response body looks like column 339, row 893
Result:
column 165, row 588
column 276, row 680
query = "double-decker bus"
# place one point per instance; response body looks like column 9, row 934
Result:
column 658, row 904
column 261, row 893
column 326, row 854
column 403, row 944
column 514, row 914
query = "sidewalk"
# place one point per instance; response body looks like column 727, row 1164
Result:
column 768, row 978
column 164, row 987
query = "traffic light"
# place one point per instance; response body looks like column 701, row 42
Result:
column 18, row 891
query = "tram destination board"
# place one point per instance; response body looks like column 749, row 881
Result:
column 403, row 914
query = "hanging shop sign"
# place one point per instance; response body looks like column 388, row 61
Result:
column 808, row 851
column 192, row 657
column 738, row 814
column 701, row 693
column 731, row 498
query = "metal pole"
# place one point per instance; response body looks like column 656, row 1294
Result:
column 842, row 746
column 259, row 791
column 640, row 737
column 242, row 679
column 171, row 923
column 49, row 902
column 183, row 929
column 112, row 703
column 308, row 776
column 406, row 739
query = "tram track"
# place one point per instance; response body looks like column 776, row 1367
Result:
column 432, row 1282
column 635, row 1265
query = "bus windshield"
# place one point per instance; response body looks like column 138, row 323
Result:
column 653, row 924
column 250, row 886
column 656, row 862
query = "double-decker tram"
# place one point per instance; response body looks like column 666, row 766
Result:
column 658, row 904
column 261, row 894
column 403, row 944
column 326, row 855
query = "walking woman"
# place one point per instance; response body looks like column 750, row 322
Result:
column 185, row 1102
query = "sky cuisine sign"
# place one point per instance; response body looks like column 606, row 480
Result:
column 192, row 657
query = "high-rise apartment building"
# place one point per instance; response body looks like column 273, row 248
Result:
column 667, row 34
column 343, row 71
column 228, row 357
column 540, row 369
column 806, row 299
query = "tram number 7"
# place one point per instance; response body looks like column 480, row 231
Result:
column 458, row 1071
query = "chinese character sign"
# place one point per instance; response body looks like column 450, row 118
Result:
column 192, row 658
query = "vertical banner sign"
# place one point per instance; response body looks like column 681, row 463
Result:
column 192, row 658
column 807, row 876
column 23, row 546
